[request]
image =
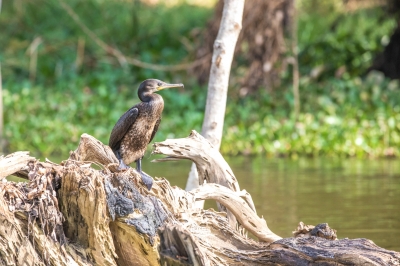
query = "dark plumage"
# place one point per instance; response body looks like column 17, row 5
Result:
column 137, row 127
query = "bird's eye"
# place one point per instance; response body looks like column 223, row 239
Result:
column 159, row 84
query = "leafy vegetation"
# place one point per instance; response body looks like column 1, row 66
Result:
column 352, row 117
column 344, row 112
column 342, row 44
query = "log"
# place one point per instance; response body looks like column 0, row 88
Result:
column 73, row 214
column 239, row 208
column 210, row 164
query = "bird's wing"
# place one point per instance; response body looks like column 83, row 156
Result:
column 122, row 127
column 155, row 129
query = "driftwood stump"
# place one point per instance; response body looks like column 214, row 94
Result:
column 73, row 214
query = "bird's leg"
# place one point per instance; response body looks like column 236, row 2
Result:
column 122, row 165
column 147, row 180
column 139, row 165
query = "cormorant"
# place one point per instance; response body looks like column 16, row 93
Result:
column 137, row 127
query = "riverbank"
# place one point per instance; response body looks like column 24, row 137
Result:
column 344, row 111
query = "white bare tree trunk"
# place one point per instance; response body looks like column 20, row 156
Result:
column 224, row 47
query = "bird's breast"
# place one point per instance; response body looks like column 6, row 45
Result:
column 134, row 143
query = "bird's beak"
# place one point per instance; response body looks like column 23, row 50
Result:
column 166, row 86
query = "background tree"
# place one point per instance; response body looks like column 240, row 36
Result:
column 223, row 51
column 388, row 62
column 261, row 47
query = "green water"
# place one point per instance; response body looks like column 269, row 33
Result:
column 358, row 198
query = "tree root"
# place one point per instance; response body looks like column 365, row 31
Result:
column 73, row 214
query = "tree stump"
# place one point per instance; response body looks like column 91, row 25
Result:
column 74, row 214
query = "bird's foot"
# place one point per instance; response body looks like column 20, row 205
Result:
column 122, row 166
column 147, row 180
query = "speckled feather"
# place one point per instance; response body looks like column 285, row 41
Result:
column 136, row 129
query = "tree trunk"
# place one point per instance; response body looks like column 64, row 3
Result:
column 388, row 62
column 261, row 47
column 223, row 50
column 224, row 47
column 73, row 214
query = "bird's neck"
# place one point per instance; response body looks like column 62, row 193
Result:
column 150, row 97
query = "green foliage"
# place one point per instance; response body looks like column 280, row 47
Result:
column 151, row 34
column 342, row 40
column 36, row 118
column 48, row 116
column 343, row 116
column 339, row 118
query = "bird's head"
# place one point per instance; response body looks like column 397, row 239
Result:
column 149, row 86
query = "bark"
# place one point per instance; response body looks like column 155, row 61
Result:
column 209, row 164
column 73, row 214
column 223, row 50
column 224, row 47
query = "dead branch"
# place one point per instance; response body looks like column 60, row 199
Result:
column 72, row 214
column 240, row 209
column 13, row 163
column 210, row 164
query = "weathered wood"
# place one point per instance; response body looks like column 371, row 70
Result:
column 240, row 209
column 15, row 248
column 30, row 222
column 319, row 251
column 92, row 150
column 72, row 214
column 83, row 203
column 133, row 248
column 210, row 164
column 136, row 217
column 13, row 163
column 234, row 250
column 133, row 216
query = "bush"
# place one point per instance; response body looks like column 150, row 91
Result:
column 341, row 116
